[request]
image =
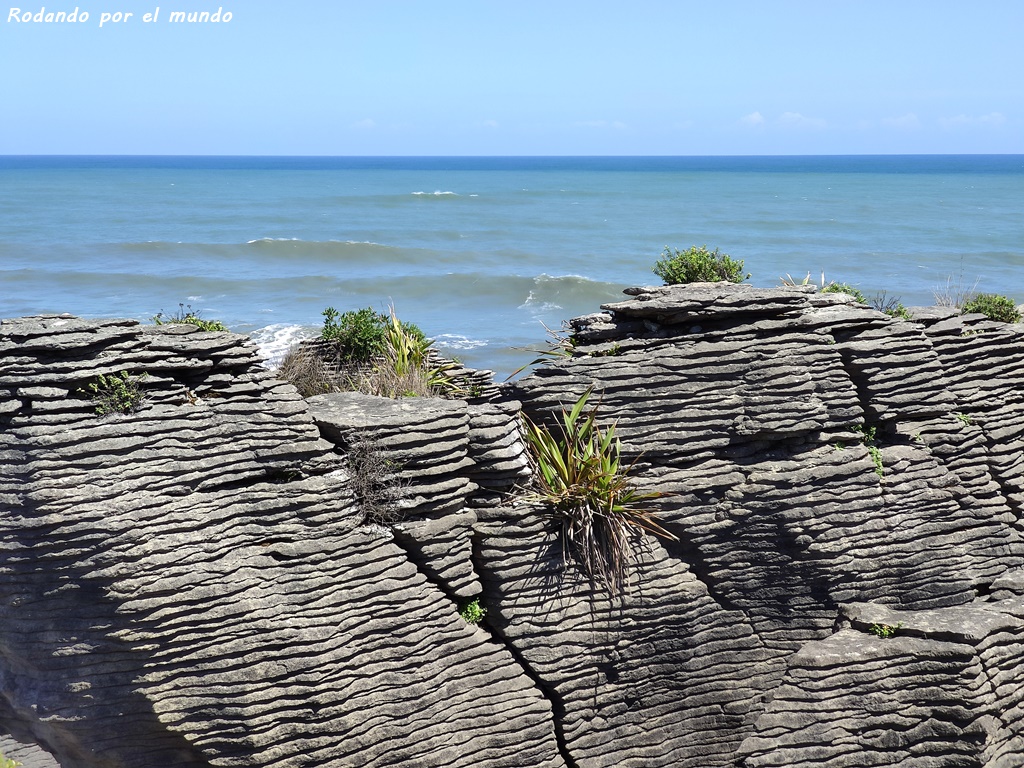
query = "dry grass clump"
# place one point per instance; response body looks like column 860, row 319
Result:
column 374, row 479
column 955, row 294
column 308, row 372
column 312, row 375
column 370, row 353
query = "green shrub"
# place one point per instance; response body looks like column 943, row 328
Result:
column 580, row 477
column 117, row 393
column 186, row 316
column 698, row 265
column 472, row 612
column 361, row 334
column 993, row 306
column 847, row 289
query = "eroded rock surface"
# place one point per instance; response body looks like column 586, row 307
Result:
column 192, row 584
column 196, row 583
column 821, row 454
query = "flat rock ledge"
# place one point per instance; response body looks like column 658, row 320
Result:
column 200, row 582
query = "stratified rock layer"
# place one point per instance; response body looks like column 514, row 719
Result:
column 192, row 584
column 820, row 454
column 197, row 583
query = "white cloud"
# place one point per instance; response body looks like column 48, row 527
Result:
column 907, row 122
column 489, row 124
column 796, row 120
column 365, row 124
column 754, row 118
column 991, row 120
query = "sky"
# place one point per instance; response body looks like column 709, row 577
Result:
column 517, row 77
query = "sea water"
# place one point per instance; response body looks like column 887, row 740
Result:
column 482, row 253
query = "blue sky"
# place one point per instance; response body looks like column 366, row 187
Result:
column 561, row 77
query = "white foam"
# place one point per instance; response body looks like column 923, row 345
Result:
column 274, row 341
column 455, row 341
column 532, row 304
column 544, row 277
column 437, row 193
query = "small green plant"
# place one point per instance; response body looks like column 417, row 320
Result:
column 698, row 265
column 869, row 440
column 964, row 419
column 994, row 307
column 560, row 343
column 885, row 631
column 613, row 351
column 890, row 305
column 358, row 333
column 580, row 476
column 408, row 366
column 116, row 393
column 187, row 316
column 6, row 762
column 846, row 288
column 472, row 612
column 876, row 457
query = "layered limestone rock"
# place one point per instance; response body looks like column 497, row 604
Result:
column 819, row 454
column 432, row 451
column 192, row 584
column 203, row 582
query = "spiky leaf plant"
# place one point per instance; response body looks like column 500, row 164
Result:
column 581, row 477
column 408, row 357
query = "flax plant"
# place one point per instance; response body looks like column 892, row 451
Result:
column 408, row 359
column 601, row 512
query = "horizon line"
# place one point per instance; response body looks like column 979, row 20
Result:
column 307, row 156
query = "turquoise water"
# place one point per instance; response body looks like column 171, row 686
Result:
column 481, row 251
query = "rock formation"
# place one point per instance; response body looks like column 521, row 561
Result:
column 203, row 582
column 193, row 584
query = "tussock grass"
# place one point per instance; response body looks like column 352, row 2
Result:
column 601, row 513
column 384, row 357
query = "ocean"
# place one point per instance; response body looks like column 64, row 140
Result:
column 482, row 253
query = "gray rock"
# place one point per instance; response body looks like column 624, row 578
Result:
column 191, row 584
column 196, row 583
